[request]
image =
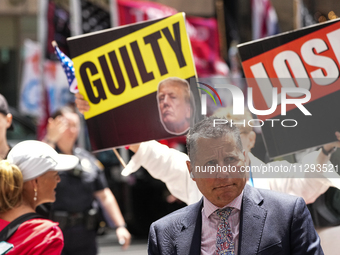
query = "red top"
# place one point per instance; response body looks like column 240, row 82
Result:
column 35, row 237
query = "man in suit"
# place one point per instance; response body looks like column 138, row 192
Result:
column 232, row 217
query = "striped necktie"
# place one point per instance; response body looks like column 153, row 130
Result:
column 224, row 237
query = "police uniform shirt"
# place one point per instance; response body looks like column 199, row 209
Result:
column 75, row 191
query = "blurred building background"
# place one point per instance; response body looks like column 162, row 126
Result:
column 19, row 21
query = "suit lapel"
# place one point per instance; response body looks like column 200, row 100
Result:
column 252, row 221
column 195, row 248
column 188, row 240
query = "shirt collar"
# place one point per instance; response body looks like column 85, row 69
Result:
column 210, row 208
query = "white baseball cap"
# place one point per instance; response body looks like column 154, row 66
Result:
column 35, row 158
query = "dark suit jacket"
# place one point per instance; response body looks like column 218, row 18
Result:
column 271, row 223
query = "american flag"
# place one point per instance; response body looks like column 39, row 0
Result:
column 67, row 64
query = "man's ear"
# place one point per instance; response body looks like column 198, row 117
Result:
column 245, row 154
column 9, row 119
column 189, row 169
column 252, row 139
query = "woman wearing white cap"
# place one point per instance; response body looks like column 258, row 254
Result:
column 27, row 179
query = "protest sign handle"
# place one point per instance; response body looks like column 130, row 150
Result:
column 121, row 160
column 221, row 28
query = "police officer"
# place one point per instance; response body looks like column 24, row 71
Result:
column 76, row 195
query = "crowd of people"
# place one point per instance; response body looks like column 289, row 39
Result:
column 29, row 174
column 227, row 213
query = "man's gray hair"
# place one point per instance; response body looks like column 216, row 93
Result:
column 206, row 129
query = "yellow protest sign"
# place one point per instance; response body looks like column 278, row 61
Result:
column 119, row 72
column 132, row 66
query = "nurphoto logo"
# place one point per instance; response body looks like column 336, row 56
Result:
column 272, row 102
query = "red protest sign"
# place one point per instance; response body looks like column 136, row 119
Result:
column 314, row 59
column 309, row 59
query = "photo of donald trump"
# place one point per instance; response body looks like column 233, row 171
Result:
column 175, row 105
